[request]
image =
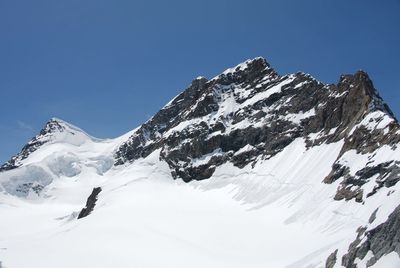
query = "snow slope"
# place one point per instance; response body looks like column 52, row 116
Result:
column 277, row 214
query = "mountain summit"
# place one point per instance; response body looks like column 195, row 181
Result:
column 248, row 169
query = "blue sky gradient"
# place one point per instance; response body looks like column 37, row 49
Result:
column 107, row 66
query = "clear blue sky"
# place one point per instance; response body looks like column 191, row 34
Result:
column 107, row 66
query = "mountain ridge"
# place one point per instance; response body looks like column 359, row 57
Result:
column 364, row 95
column 326, row 155
column 237, row 73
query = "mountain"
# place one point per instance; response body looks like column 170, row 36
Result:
column 248, row 169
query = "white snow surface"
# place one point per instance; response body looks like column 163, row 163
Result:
column 275, row 214
column 391, row 260
column 375, row 120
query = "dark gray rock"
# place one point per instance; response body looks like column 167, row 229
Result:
column 90, row 203
column 372, row 218
column 347, row 193
column 338, row 171
column 382, row 240
column 387, row 175
column 26, row 187
column 353, row 251
column 331, row 261
column 385, row 238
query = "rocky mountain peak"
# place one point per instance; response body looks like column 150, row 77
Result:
column 250, row 112
column 53, row 125
column 247, row 71
column 362, row 93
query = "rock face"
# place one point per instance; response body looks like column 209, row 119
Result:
column 249, row 112
column 382, row 240
column 90, row 203
column 331, row 261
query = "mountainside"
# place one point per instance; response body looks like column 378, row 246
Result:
column 248, row 169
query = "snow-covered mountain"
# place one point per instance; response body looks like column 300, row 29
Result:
column 248, row 169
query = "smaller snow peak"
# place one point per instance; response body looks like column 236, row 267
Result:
column 58, row 130
column 52, row 126
column 54, row 130
column 58, row 121
column 56, row 125
column 55, row 120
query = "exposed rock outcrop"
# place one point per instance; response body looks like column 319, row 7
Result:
column 90, row 203
column 331, row 261
column 382, row 240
